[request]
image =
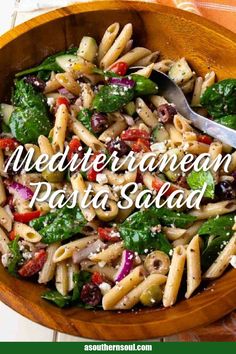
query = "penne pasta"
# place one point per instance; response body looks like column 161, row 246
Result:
column 193, row 266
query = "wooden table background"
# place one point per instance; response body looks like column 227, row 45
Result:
column 14, row 327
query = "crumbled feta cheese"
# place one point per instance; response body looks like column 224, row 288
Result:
column 171, row 253
column 5, row 259
column 104, row 287
column 101, row 178
column 233, row 261
column 102, row 264
column 50, row 101
column 158, row 147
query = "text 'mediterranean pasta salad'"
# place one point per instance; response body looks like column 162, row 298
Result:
column 87, row 103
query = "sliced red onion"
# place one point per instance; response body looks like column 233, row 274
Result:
column 122, row 81
column 63, row 91
column 125, row 266
column 23, row 191
column 94, row 247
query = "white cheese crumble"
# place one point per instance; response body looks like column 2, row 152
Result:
column 102, row 264
column 101, row 178
column 233, row 261
column 158, row 147
column 104, row 287
column 51, row 101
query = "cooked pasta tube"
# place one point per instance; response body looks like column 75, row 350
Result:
column 2, row 165
column 175, row 136
column 215, row 149
column 107, row 40
column 113, row 131
column 196, row 148
column 59, row 131
column 45, row 146
column 182, row 124
column 189, row 136
column 67, row 80
column 79, row 186
column 222, row 261
column 22, row 206
column 109, row 254
column 174, row 276
column 4, row 240
column 146, row 71
column 65, row 251
column 62, row 279
column 48, row 271
column 5, row 219
column 117, row 47
column 173, row 233
column 124, row 213
column 96, row 187
column 133, row 55
column 26, row 232
column 163, row 65
column 213, row 209
column 122, row 288
column 158, row 100
column 193, row 266
column 87, row 95
column 188, row 235
column 147, row 60
column 84, row 134
column 188, row 86
column 197, row 92
column 3, row 196
column 52, row 84
column 132, row 298
column 106, row 270
column 209, row 80
column 145, row 113
column 72, row 269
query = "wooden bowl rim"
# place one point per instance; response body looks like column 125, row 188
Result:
column 100, row 322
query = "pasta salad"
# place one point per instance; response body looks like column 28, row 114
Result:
column 86, row 101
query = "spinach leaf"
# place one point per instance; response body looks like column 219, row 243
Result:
column 30, row 119
column 44, row 220
column 212, row 250
column 220, row 98
column 67, row 223
column 228, row 121
column 196, row 180
column 221, row 226
column 28, row 124
column 49, row 64
column 111, row 98
column 15, row 257
column 55, row 297
column 84, row 116
column 169, row 217
column 144, row 86
column 58, row 299
column 79, row 279
column 137, row 232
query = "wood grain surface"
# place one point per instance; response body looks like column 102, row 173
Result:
column 175, row 33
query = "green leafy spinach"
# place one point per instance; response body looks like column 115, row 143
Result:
column 15, row 257
column 197, row 179
column 84, row 116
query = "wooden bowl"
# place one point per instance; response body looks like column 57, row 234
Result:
column 175, row 33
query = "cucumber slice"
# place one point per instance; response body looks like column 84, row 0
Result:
column 6, row 111
column 130, row 108
column 66, row 61
column 180, row 71
column 88, row 48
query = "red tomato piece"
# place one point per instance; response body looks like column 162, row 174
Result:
column 12, row 235
column 105, row 234
column 26, row 217
column 8, row 143
column 158, row 183
column 74, row 145
column 92, row 174
column 119, row 68
column 205, row 139
column 97, row 278
column 141, row 145
column 33, row 265
column 62, row 100
column 134, row 134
